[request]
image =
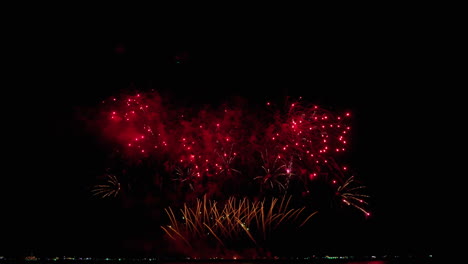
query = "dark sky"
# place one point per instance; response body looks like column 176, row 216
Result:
column 374, row 67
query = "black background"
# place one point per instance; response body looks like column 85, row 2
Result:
column 374, row 64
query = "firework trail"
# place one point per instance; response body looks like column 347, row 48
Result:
column 350, row 195
column 236, row 220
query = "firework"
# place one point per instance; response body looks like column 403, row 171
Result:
column 199, row 161
column 226, row 159
column 110, row 189
column 224, row 150
column 273, row 172
column 350, row 195
column 233, row 221
column 186, row 175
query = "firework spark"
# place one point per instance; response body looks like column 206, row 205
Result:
column 186, row 175
column 110, row 189
column 350, row 195
column 274, row 172
column 226, row 159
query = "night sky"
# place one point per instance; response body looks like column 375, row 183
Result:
column 373, row 67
